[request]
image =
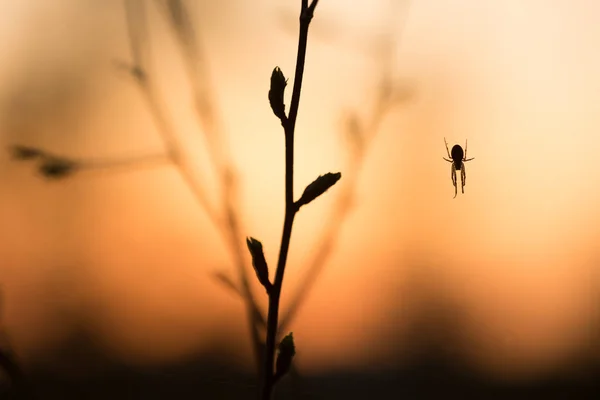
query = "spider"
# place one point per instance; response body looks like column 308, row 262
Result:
column 458, row 158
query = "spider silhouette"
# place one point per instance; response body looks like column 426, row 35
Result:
column 458, row 159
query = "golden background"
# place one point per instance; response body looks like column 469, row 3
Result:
column 130, row 256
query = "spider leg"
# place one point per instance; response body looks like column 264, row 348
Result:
column 465, row 157
column 447, row 159
column 447, row 151
column 453, row 172
column 453, row 175
column 463, row 178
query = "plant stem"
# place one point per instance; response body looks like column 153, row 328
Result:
column 289, row 125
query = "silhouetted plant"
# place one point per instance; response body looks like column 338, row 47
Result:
column 359, row 131
column 270, row 376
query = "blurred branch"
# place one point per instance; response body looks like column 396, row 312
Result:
column 196, row 64
column 135, row 12
column 226, row 220
column 137, row 30
column 359, row 134
column 53, row 166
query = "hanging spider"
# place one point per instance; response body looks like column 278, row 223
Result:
column 458, row 158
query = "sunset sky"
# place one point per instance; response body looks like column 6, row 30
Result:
column 129, row 253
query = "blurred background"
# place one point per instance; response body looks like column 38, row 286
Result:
column 121, row 280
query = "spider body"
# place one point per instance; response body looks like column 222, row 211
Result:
column 457, row 155
column 457, row 158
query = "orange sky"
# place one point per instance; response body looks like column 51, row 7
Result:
column 132, row 252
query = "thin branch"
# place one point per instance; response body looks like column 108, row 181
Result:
column 135, row 12
column 269, row 378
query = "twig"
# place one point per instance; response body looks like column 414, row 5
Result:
column 291, row 208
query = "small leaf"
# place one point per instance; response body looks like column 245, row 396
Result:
column 287, row 350
column 56, row 168
column 259, row 262
column 318, row 187
column 25, row 152
column 276, row 92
